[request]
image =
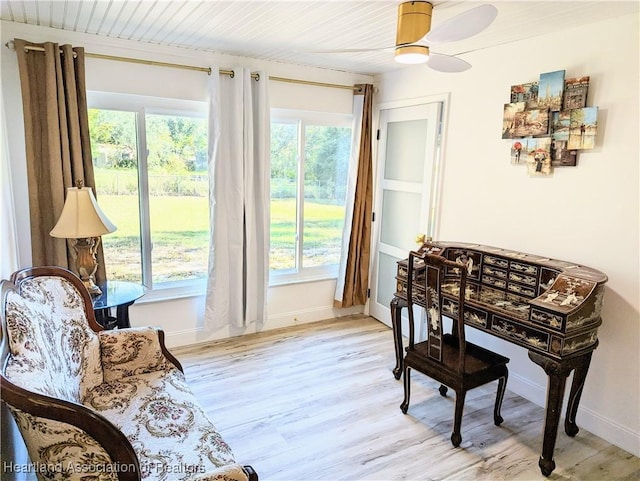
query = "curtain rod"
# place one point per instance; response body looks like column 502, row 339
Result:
column 10, row 45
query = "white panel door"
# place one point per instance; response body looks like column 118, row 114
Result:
column 405, row 194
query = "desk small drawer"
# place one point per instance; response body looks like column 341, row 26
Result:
column 546, row 319
column 494, row 272
column 492, row 281
column 418, row 273
column 522, row 290
column 418, row 295
column 524, row 268
column 579, row 342
column 475, row 317
column 496, row 261
column 402, row 270
column 523, row 335
column 523, row 278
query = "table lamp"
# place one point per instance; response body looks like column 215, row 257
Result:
column 82, row 221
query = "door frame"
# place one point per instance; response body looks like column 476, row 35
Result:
column 378, row 169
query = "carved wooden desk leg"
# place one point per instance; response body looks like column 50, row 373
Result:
column 579, row 376
column 557, row 374
column 396, row 323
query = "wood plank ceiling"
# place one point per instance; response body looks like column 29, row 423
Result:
column 289, row 31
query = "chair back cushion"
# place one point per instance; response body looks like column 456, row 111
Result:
column 52, row 349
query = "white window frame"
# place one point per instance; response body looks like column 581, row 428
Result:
column 141, row 106
column 302, row 118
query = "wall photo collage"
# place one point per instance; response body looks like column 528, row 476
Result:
column 548, row 121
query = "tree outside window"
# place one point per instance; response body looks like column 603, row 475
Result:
column 309, row 168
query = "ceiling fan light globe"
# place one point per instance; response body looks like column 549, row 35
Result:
column 412, row 54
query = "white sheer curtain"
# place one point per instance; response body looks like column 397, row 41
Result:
column 239, row 129
column 356, row 133
column 8, row 232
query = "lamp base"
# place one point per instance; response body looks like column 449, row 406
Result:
column 91, row 286
column 86, row 265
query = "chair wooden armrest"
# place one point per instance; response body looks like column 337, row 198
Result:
column 110, row 438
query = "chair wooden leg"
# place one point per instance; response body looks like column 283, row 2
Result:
column 502, row 386
column 456, row 437
column 407, row 389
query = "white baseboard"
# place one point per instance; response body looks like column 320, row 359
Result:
column 587, row 419
column 186, row 337
column 306, row 316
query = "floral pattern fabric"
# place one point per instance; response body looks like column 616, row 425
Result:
column 74, row 456
column 123, row 375
column 53, row 349
column 168, row 429
column 129, row 352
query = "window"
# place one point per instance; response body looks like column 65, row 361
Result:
column 150, row 162
column 309, row 169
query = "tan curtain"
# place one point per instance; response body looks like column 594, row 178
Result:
column 58, row 149
column 356, row 282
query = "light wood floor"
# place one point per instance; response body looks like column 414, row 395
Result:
column 319, row 402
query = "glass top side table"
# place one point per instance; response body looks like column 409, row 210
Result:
column 118, row 294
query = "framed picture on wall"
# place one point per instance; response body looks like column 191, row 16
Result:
column 539, row 156
column 575, row 93
column 509, row 117
column 519, row 151
column 527, row 93
column 560, row 123
column 584, row 125
column 531, row 123
column 561, row 156
column 550, row 90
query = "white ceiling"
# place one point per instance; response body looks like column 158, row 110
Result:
column 287, row 31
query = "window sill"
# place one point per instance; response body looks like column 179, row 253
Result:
column 310, row 275
column 175, row 290
column 198, row 287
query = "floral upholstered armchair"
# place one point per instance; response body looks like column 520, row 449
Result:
column 99, row 405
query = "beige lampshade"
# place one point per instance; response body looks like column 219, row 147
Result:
column 81, row 217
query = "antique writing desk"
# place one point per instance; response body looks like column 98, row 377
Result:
column 548, row 306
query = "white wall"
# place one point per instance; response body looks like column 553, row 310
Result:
column 587, row 214
column 182, row 319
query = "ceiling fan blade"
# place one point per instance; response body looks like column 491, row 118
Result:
column 463, row 25
column 446, row 63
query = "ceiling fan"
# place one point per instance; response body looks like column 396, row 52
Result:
column 414, row 36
